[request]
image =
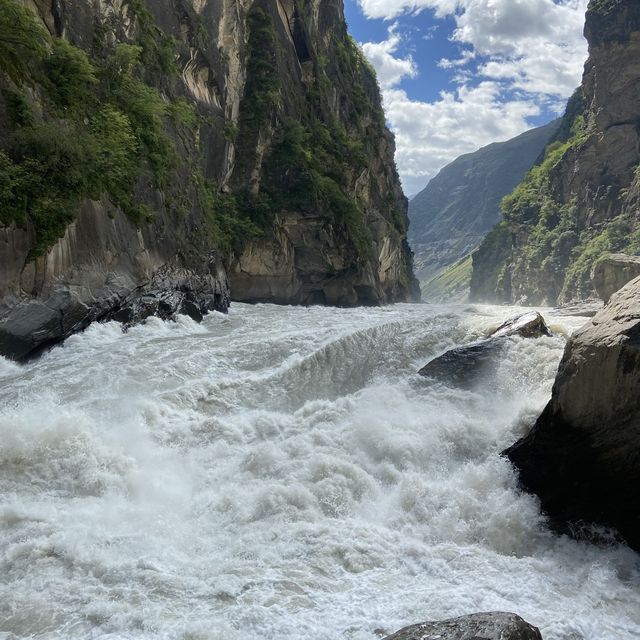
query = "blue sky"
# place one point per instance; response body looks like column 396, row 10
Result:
column 459, row 74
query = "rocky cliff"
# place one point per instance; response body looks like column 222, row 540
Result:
column 583, row 455
column 233, row 147
column 583, row 199
column 456, row 210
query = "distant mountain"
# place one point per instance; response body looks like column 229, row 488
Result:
column 582, row 200
column 456, row 210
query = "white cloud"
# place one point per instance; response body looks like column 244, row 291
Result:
column 537, row 45
column 390, row 70
column 430, row 135
column 514, row 57
column 389, row 9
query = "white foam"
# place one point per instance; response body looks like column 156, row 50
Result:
column 283, row 472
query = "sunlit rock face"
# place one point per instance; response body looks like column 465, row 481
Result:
column 270, row 171
column 582, row 201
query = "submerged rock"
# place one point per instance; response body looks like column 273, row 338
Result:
column 612, row 272
column 582, row 457
column 478, row 626
column 464, row 366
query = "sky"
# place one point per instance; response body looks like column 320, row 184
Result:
column 457, row 75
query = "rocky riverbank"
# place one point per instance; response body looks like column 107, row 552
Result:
column 582, row 457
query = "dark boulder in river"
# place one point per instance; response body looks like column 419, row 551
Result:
column 582, row 457
column 528, row 325
column 478, row 626
column 465, row 365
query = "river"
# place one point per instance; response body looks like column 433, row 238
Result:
column 283, row 473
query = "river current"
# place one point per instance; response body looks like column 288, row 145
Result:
column 283, row 473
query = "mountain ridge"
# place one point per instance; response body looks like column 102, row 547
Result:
column 581, row 201
column 460, row 205
column 164, row 136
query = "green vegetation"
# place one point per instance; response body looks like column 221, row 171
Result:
column 450, row 285
column 558, row 252
column 158, row 51
column 310, row 159
column 22, row 40
column 262, row 88
column 603, row 7
column 307, row 171
column 107, row 122
column 104, row 129
column 551, row 228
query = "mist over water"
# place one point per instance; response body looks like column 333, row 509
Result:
column 283, row 473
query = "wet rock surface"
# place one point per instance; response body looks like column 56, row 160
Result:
column 528, row 325
column 466, row 365
column 582, row 457
column 31, row 326
column 104, row 268
column 477, row 626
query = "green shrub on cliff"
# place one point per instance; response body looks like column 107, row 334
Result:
column 89, row 126
column 551, row 250
column 603, row 7
column 22, row 40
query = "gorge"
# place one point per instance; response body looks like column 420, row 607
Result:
column 169, row 140
column 224, row 414
column 581, row 201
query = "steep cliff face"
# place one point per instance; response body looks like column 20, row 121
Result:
column 323, row 169
column 455, row 211
column 582, row 200
column 226, row 138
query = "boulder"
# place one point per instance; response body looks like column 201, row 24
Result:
column 170, row 292
column 612, row 272
column 478, row 626
column 582, row 457
column 464, row 366
column 528, row 325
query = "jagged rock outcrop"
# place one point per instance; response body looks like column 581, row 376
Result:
column 102, row 264
column 478, row 626
column 469, row 364
column 612, row 272
column 239, row 141
column 459, row 206
column 583, row 199
column 582, row 457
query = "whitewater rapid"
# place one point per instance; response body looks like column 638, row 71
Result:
column 283, row 473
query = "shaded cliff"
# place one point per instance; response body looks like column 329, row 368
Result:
column 582, row 200
column 215, row 139
column 456, row 210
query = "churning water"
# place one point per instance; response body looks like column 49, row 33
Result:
column 283, row 473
